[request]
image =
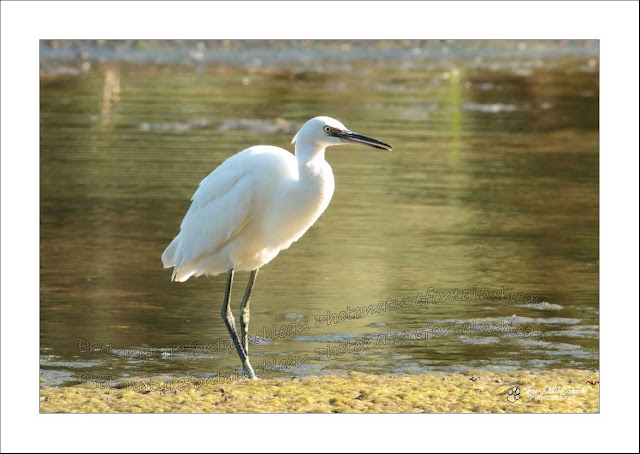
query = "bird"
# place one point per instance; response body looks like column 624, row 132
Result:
column 254, row 205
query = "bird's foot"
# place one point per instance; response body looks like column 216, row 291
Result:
column 248, row 370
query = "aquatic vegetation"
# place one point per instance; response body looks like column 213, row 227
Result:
column 554, row 391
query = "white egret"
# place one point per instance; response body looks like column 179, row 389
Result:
column 255, row 204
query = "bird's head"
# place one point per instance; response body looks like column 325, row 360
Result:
column 322, row 132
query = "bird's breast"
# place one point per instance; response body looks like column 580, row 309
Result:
column 298, row 205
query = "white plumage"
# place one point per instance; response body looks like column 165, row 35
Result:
column 257, row 203
column 254, row 205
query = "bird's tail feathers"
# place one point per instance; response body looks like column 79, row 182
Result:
column 171, row 256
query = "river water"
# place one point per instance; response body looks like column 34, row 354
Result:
column 474, row 244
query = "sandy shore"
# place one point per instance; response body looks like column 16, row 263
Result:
column 556, row 391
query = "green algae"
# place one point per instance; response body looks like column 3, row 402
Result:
column 554, row 391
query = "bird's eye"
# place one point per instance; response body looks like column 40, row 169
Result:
column 327, row 129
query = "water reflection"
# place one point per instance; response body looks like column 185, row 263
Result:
column 110, row 94
column 493, row 183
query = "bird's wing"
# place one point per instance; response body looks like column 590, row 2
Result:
column 220, row 208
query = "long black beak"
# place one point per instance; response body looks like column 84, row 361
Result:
column 364, row 140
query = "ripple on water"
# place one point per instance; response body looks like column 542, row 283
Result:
column 258, row 126
column 332, row 337
column 581, row 331
column 489, row 108
column 515, row 320
column 541, row 306
column 175, row 126
column 51, row 377
column 479, row 340
column 69, row 364
column 555, row 349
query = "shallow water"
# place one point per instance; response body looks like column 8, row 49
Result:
column 491, row 191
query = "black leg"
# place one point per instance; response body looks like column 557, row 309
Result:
column 230, row 322
column 244, row 312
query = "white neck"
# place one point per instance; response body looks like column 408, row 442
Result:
column 310, row 158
